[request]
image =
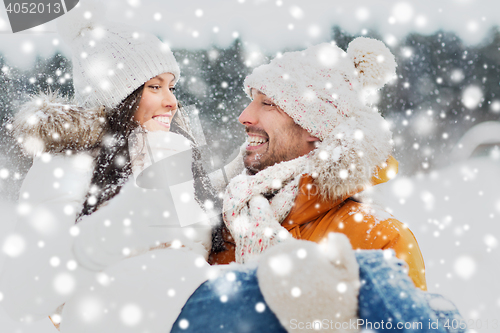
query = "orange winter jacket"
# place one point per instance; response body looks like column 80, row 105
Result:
column 313, row 218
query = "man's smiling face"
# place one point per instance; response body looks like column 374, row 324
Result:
column 273, row 136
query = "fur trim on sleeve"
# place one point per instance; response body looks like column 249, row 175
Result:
column 303, row 282
column 50, row 123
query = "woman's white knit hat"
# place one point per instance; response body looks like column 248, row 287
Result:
column 110, row 61
column 322, row 86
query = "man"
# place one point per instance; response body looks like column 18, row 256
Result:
column 313, row 146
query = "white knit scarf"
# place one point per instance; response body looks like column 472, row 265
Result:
column 253, row 220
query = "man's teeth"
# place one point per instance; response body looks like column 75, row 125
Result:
column 165, row 120
column 255, row 140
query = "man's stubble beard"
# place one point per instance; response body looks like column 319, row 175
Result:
column 276, row 153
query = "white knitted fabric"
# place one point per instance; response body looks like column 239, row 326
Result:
column 110, row 61
column 320, row 87
column 337, row 167
column 255, row 222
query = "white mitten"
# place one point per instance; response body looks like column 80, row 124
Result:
column 259, row 231
column 304, row 282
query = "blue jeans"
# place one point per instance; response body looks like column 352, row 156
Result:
column 206, row 312
column 388, row 301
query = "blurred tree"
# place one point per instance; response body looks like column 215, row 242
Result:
column 213, row 81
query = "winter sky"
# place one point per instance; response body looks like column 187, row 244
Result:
column 268, row 26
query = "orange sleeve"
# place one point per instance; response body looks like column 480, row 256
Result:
column 392, row 234
column 370, row 234
column 406, row 247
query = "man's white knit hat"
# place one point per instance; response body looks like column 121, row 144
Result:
column 110, row 61
column 321, row 87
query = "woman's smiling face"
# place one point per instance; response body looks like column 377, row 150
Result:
column 158, row 103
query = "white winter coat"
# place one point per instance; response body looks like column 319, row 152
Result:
column 103, row 269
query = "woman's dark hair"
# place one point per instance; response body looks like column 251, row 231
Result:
column 113, row 166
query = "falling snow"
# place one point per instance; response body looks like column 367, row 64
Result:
column 447, row 85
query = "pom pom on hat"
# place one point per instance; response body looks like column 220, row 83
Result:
column 375, row 64
column 86, row 16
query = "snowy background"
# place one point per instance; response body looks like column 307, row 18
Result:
column 444, row 110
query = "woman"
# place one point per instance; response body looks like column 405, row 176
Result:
column 87, row 150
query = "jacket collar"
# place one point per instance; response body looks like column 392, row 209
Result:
column 310, row 204
column 50, row 123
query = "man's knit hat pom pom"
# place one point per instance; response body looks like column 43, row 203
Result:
column 375, row 64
